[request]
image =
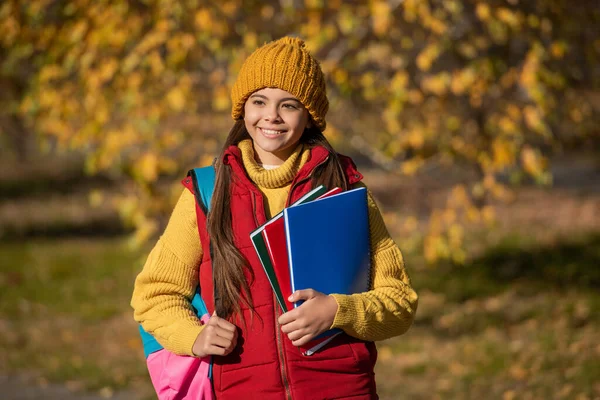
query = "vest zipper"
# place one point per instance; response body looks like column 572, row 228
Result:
column 281, row 352
column 278, row 339
column 278, row 334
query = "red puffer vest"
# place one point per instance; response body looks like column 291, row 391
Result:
column 265, row 365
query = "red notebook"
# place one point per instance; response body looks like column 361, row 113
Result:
column 274, row 237
column 275, row 240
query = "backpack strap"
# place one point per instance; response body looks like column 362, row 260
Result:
column 204, row 182
column 204, row 185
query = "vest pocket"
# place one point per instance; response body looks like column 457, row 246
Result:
column 343, row 353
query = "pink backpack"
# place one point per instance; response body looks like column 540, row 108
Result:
column 180, row 377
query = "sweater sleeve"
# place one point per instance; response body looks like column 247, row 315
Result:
column 164, row 288
column 388, row 309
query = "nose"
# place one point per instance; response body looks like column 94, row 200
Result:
column 272, row 114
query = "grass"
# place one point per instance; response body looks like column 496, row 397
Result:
column 520, row 321
column 64, row 313
column 510, row 324
column 67, row 277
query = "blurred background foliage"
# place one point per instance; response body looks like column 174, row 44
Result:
column 141, row 88
column 475, row 123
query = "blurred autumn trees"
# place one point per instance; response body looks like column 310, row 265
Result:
column 142, row 87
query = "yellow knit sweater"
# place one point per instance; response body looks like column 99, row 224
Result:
column 162, row 292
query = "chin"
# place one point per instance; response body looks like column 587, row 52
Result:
column 273, row 149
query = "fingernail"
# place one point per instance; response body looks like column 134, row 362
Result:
column 291, row 297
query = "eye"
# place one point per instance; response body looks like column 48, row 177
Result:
column 258, row 102
column 290, row 106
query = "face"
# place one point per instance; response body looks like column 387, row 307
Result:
column 275, row 120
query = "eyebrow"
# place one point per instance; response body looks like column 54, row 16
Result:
column 284, row 99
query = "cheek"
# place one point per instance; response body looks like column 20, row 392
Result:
column 249, row 127
column 250, row 110
column 247, row 117
column 302, row 123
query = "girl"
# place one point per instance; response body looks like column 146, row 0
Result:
column 275, row 153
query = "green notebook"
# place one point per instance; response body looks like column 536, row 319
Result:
column 261, row 248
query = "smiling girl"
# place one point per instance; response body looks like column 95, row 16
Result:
column 274, row 154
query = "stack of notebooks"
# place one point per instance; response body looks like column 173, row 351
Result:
column 321, row 242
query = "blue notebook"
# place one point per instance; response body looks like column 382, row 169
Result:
column 328, row 243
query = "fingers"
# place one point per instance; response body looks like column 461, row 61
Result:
column 299, row 334
column 302, row 340
column 293, row 325
column 214, row 320
column 226, row 325
column 223, row 323
column 220, row 334
column 314, row 316
column 303, row 294
column 219, row 341
column 214, row 350
column 298, row 331
column 223, row 328
column 218, row 351
column 288, row 317
column 218, row 337
column 297, row 327
column 212, row 344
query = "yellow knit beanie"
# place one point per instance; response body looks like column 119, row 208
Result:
column 285, row 64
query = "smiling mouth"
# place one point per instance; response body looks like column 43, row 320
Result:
column 271, row 132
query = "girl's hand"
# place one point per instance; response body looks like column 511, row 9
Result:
column 312, row 318
column 218, row 338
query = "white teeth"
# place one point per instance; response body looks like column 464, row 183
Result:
column 271, row 132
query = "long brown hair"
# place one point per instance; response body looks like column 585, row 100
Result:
column 231, row 287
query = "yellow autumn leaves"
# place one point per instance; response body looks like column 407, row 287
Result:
column 481, row 83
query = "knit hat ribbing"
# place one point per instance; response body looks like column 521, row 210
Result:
column 287, row 65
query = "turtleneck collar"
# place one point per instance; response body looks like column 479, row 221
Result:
column 273, row 178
